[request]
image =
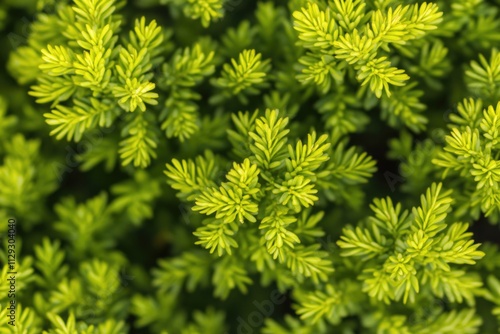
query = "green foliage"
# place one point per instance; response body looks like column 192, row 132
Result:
column 408, row 253
column 358, row 45
column 245, row 76
column 91, row 79
column 26, row 179
column 494, row 294
column 470, row 152
column 274, row 183
column 185, row 70
column 205, row 10
column 484, row 77
column 247, row 197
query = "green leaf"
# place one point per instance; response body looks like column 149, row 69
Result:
column 269, row 140
column 433, row 210
column 140, row 144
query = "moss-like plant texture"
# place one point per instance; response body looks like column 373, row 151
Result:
column 231, row 166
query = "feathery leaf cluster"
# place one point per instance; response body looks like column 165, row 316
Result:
column 275, row 185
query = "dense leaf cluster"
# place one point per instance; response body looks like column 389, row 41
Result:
column 226, row 166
